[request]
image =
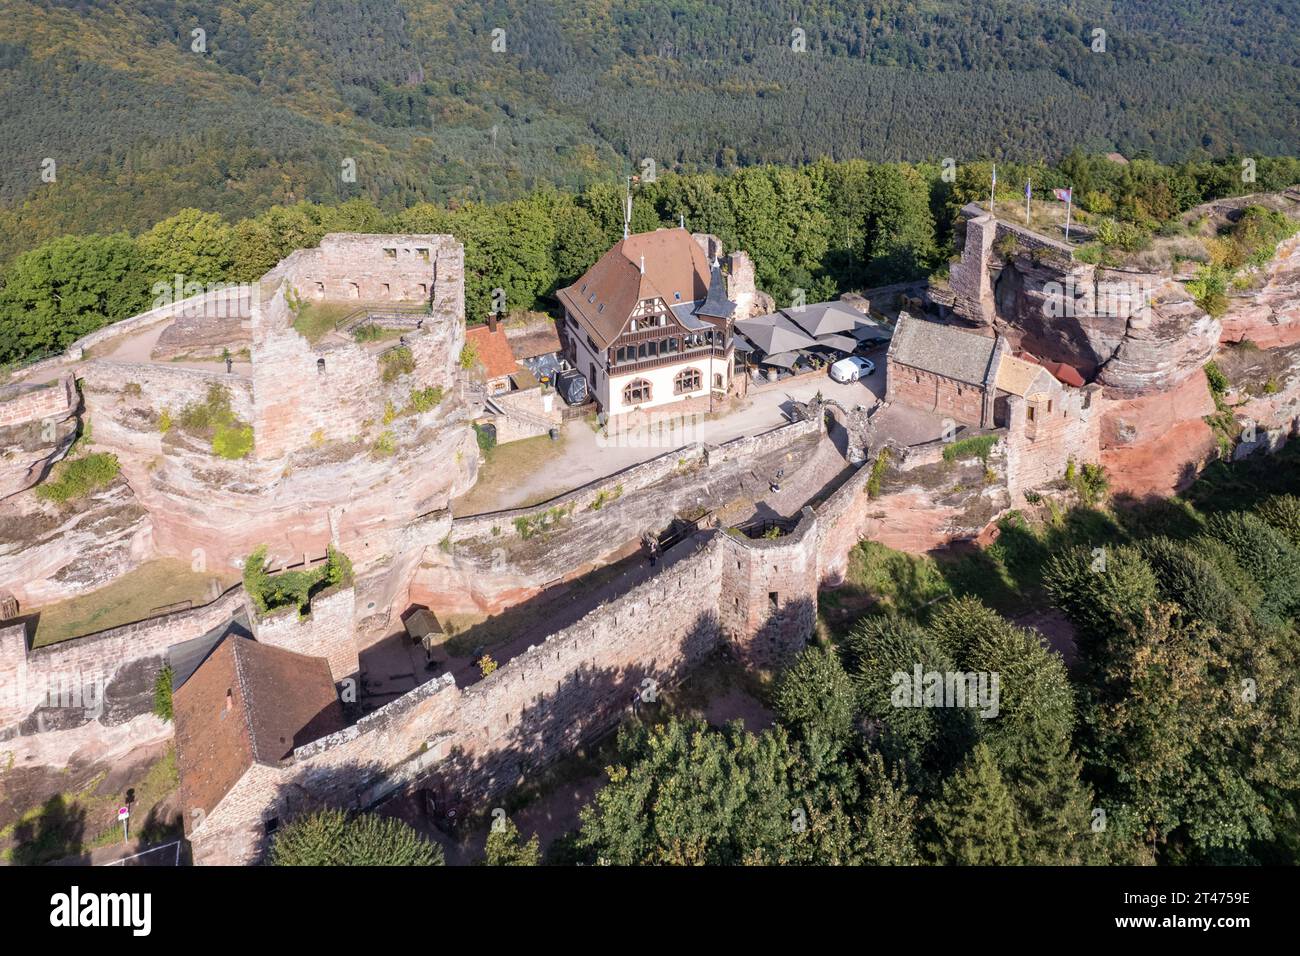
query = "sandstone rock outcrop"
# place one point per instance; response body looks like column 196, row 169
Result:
column 50, row 552
column 1269, row 316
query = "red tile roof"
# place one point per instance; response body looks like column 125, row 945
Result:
column 493, row 348
column 676, row 271
column 247, row 703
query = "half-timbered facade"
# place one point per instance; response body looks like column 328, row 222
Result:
column 650, row 323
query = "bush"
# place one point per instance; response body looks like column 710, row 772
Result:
column 1090, row 483
column 504, row 848
column 1209, row 289
column 385, row 445
column 1101, row 590
column 487, row 439
column 292, row 588
column 424, row 399
column 233, row 441
column 1191, row 581
column 1265, row 554
column 1217, row 380
column 1283, row 513
column 468, row 356
column 214, row 417
column 79, row 477
column 395, row 363
column 332, row 838
column 815, row 695
column 162, row 693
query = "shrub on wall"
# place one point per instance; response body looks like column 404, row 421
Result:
column 162, row 693
column 395, row 363
column 79, row 477
column 424, row 399
column 289, row 588
column 233, row 441
column 214, row 418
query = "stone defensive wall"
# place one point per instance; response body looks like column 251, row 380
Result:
column 637, row 477
column 218, row 302
column 37, row 426
column 22, row 403
column 44, row 688
column 757, row 596
column 160, row 386
column 492, row 561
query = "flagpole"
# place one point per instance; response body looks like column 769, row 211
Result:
column 1069, row 202
column 993, row 190
column 1029, row 189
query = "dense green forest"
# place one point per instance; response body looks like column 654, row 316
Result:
column 143, row 116
column 1172, row 739
column 825, row 227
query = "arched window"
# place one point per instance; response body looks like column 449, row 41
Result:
column 636, row 391
column 687, row 380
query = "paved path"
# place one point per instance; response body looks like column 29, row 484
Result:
column 588, row 456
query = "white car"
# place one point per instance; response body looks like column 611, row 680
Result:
column 852, row 368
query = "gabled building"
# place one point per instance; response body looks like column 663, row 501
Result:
column 651, row 323
column 238, row 717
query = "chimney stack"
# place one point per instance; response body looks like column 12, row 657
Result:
column 492, row 322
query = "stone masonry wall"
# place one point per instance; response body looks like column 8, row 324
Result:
column 23, row 403
column 1039, row 451
column 26, row 675
column 330, row 391
column 160, row 386
column 918, row 388
column 327, row 631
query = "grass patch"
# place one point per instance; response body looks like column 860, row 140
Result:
column 314, row 320
column 78, row 478
column 976, row 446
column 375, row 333
column 74, row 823
column 131, row 597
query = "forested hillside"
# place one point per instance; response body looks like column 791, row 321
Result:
column 824, row 228
column 143, row 116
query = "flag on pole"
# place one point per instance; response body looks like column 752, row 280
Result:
column 993, row 189
column 1029, row 193
column 1066, row 196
